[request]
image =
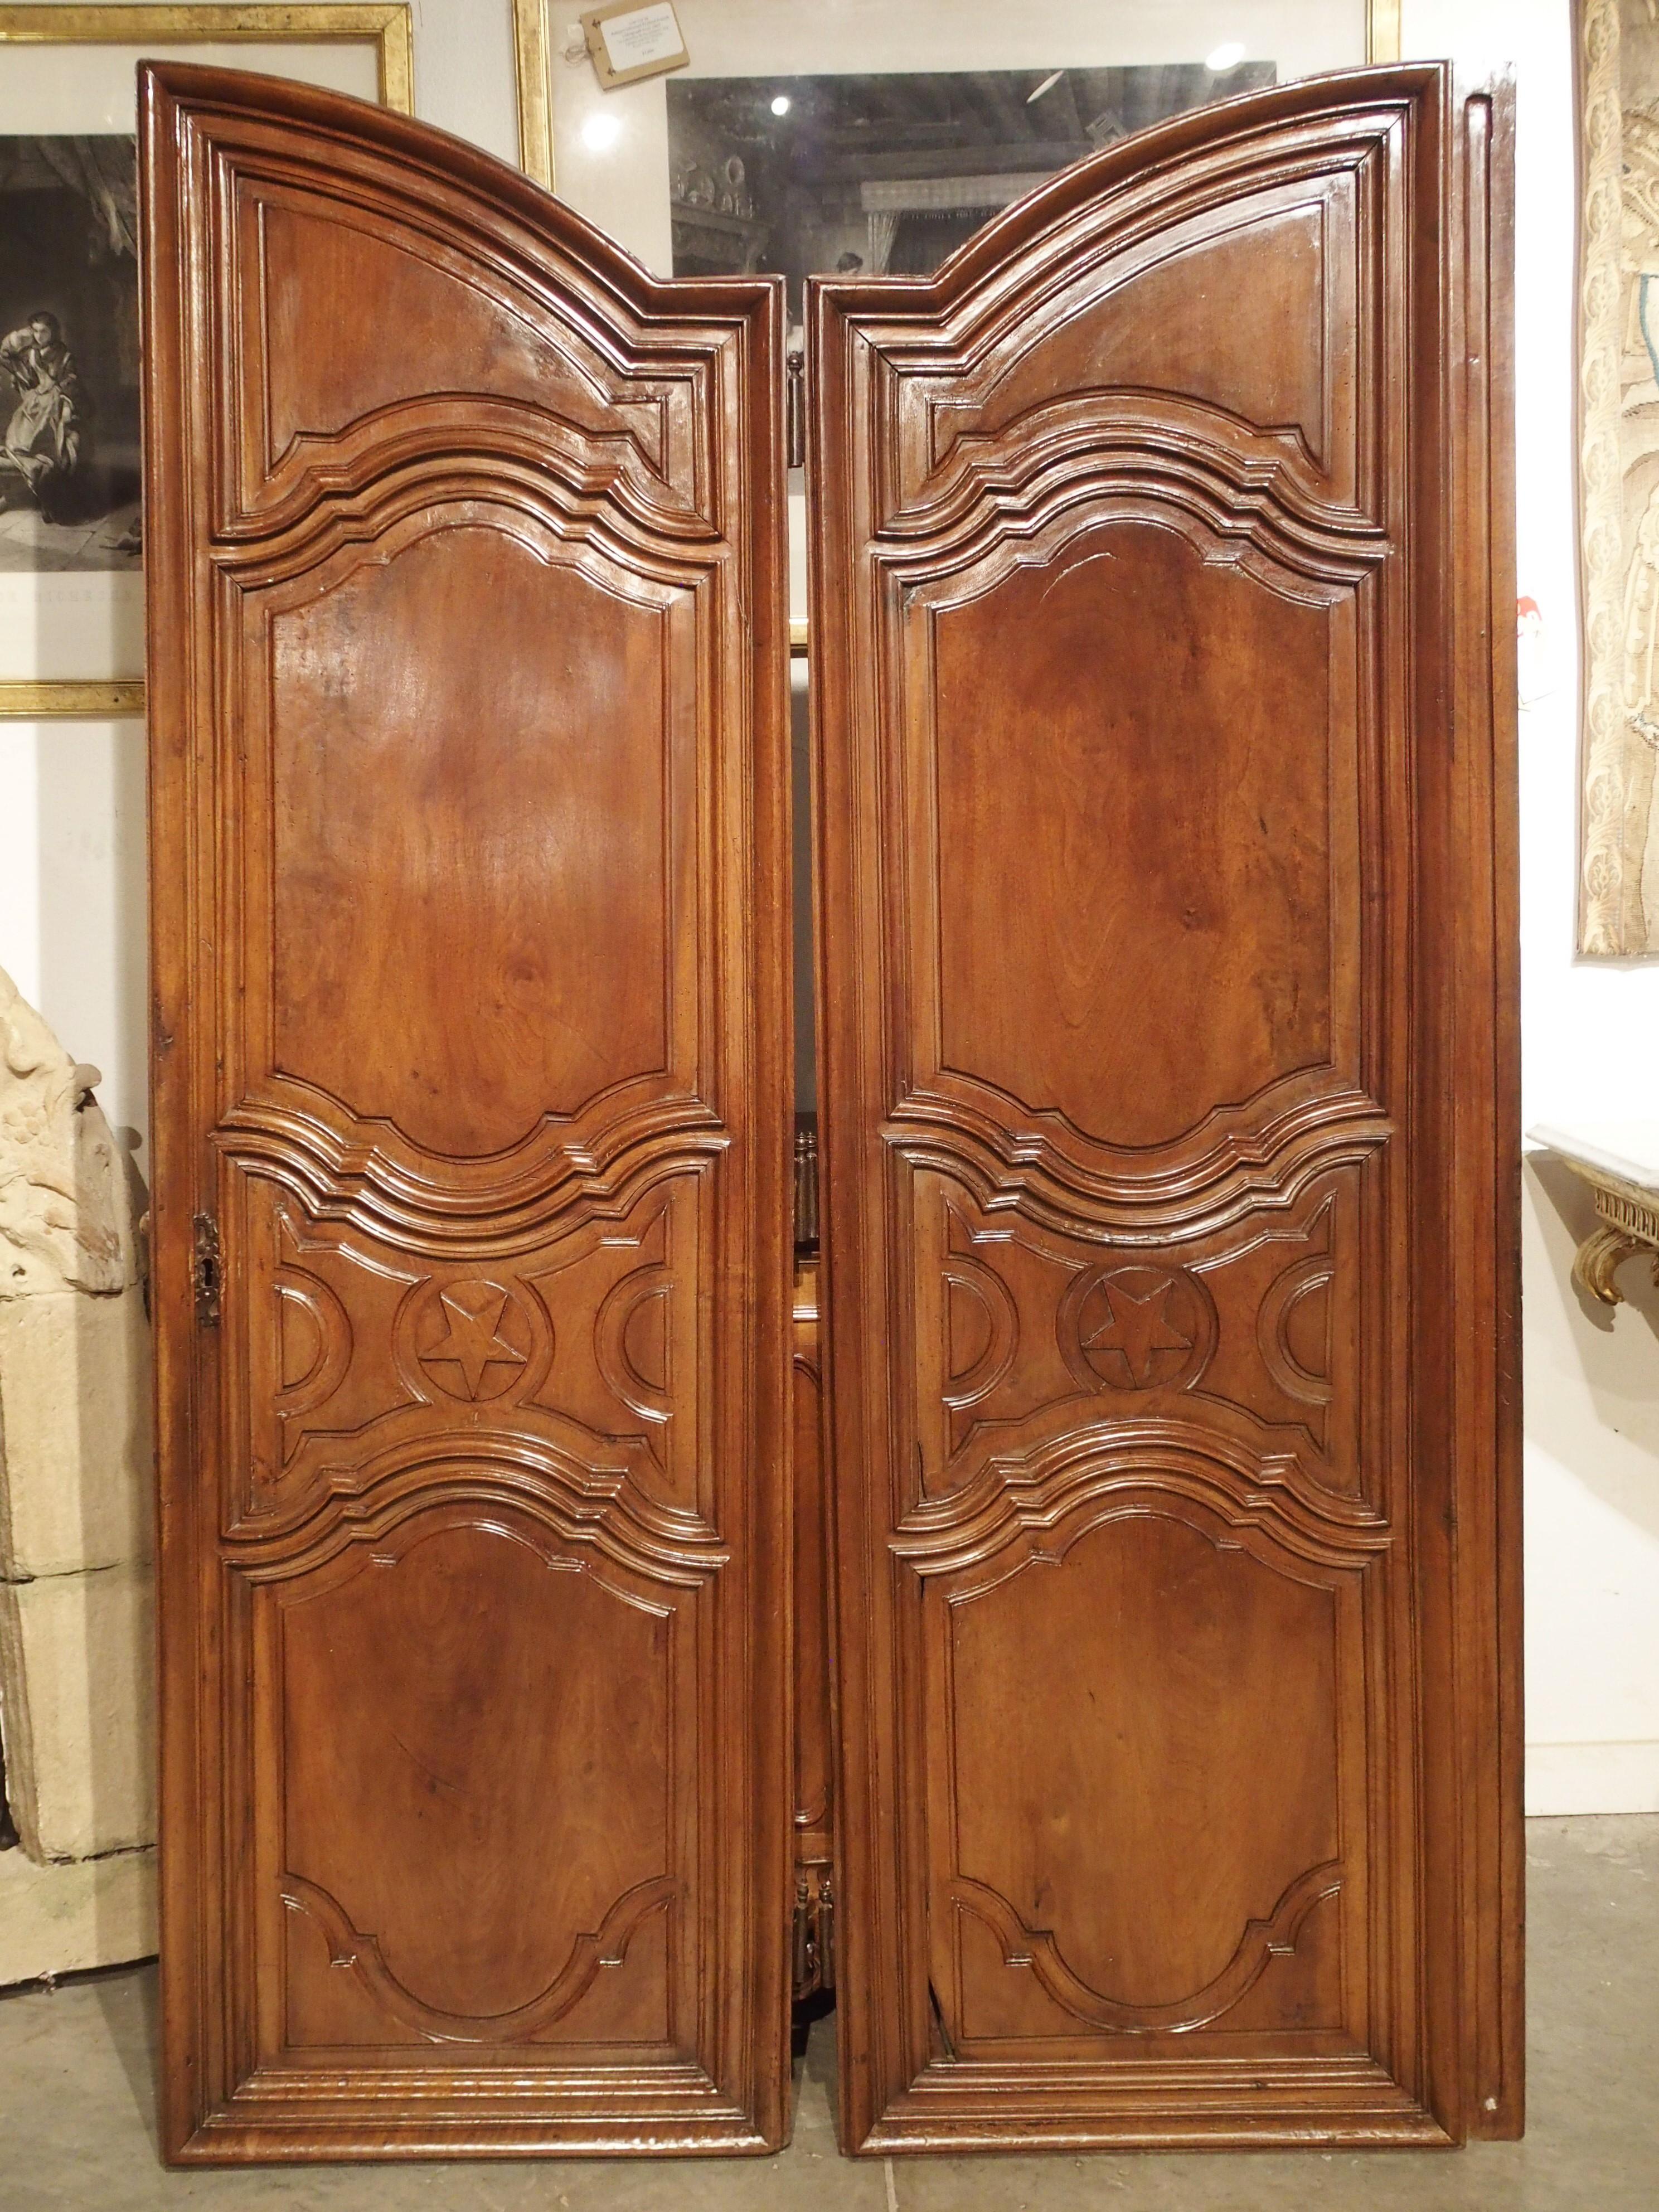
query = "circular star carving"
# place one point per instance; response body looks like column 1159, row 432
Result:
column 1136, row 1328
column 473, row 1341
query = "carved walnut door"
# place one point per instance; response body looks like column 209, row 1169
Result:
column 471, row 1221
column 1161, row 618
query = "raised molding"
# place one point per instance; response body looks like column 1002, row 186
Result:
column 466, row 1027
column 1164, row 776
column 1263, row 1941
column 359, row 1954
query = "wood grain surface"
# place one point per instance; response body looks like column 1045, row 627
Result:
column 1164, row 757
column 467, row 675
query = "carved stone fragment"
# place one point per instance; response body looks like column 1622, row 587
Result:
column 65, row 1219
column 77, row 1678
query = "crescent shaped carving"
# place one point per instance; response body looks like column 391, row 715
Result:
column 1272, row 1328
column 977, row 1381
column 606, row 1946
column 298, row 1287
column 649, row 1400
column 1261, row 1942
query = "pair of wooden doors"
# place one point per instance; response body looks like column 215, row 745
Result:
column 1164, row 953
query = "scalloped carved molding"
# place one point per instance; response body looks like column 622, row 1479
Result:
column 1162, row 875
column 1243, row 496
column 606, row 1946
column 470, row 763
column 1032, row 1507
column 1261, row 1942
column 1236, row 1160
column 548, row 1479
column 479, row 1210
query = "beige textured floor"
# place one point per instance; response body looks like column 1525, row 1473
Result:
column 77, row 2109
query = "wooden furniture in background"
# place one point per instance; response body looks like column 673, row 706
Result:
column 471, row 1252
column 814, row 1807
column 1162, row 639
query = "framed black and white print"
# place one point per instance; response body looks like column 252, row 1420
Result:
column 72, row 530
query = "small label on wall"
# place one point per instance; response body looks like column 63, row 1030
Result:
column 630, row 41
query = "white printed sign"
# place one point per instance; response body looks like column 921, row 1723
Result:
column 642, row 39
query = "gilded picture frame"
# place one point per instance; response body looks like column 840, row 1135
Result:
column 383, row 28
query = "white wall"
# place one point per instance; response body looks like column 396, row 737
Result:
column 71, row 902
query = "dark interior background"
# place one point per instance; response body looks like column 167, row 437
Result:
column 755, row 190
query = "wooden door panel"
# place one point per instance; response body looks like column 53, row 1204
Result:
column 1184, row 312
column 467, row 672
column 1022, row 1333
column 1132, row 868
column 533, row 886
column 1067, row 1830
column 1159, row 1082
column 386, row 1644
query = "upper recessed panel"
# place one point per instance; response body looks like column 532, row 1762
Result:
column 354, row 325
column 453, row 335
column 1135, row 922
column 470, row 794
column 1245, row 309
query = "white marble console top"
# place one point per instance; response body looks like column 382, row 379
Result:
column 1628, row 1149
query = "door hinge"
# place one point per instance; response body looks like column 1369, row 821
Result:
column 794, row 409
column 207, row 1272
column 813, row 1934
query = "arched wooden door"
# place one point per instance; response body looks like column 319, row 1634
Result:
column 1161, row 630
column 472, row 975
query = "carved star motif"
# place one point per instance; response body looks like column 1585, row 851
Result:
column 473, row 1343
column 1139, row 1328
